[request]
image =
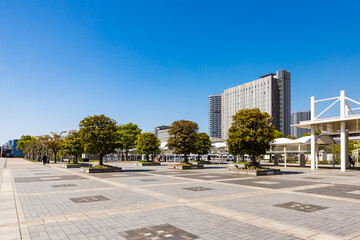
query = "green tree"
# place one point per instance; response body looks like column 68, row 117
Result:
column 147, row 143
column 250, row 133
column 352, row 145
column 278, row 134
column 53, row 142
column 128, row 133
column 183, row 135
column 317, row 132
column 24, row 145
column 98, row 135
column 291, row 137
column 71, row 145
column 202, row 144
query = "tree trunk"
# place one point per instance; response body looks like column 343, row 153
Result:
column 126, row 154
column 185, row 158
column 101, row 159
column 55, row 155
column 76, row 159
column 253, row 160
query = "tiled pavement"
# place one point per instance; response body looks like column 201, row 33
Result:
column 50, row 202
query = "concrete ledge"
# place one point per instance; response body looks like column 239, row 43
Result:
column 148, row 164
column 201, row 163
column 77, row 165
column 259, row 172
column 100, row 170
column 184, row 167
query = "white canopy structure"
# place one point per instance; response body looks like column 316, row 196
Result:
column 344, row 123
column 298, row 146
column 320, row 139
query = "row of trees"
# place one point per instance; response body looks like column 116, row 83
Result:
column 101, row 135
column 250, row 133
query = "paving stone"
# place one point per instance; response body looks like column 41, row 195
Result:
column 45, row 179
column 272, row 183
column 337, row 190
column 144, row 199
column 160, row 232
column 89, row 199
column 198, row 189
column 308, row 208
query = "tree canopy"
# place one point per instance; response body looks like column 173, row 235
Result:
column 71, row 144
column 250, row 133
column 98, row 135
column 183, row 135
column 291, row 137
column 25, row 145
column 53, row 142
column 278, row 134
column 317, row 132
column 127, row 137
column 202, row 144
column 148, row 144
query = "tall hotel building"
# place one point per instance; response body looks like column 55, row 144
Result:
column 215, row 116
column 271, row 93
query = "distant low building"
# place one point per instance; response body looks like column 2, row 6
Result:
column 9, row 149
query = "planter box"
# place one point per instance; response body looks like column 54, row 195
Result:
column 260, row 172
column 148, row 164
column 101, row 170
column 201, row 163
column 78, row 165
column 238, row 165
column 183, row 167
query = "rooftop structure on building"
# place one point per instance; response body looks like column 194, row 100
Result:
column 271, row 93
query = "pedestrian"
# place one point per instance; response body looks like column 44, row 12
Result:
column 351, row 161
column 44, row 159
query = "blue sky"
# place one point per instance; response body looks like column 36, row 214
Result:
column 153, row 62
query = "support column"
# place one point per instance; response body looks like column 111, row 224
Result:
column 313, row 134
column 285, row 155
column 317, row 156
column 343, row 131
column 343, row 146
column 313, row 147
column 276, row 160
column 334, row 155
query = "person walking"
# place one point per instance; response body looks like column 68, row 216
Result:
column 44, row 159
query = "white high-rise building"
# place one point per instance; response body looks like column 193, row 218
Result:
column 271, row 93
column 215, row 116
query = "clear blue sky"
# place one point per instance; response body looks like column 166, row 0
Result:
column 153, row 62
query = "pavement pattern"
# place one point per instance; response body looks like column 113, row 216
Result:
column 50, row 202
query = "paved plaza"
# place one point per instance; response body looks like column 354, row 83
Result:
column 51, row 202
